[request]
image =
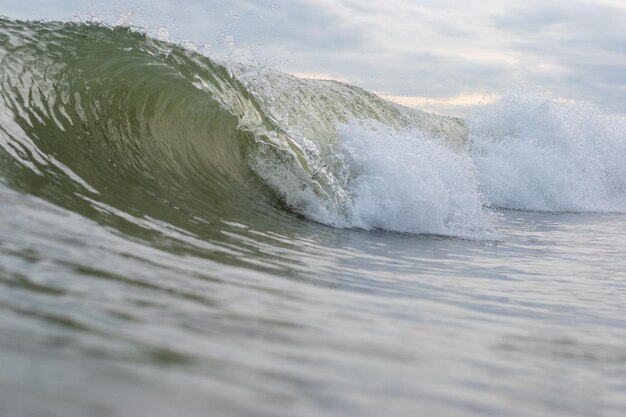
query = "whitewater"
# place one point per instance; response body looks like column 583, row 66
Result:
column 184, row 235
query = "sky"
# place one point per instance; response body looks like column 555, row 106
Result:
column 445, row 55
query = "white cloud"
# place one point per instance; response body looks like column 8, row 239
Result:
column 439, row 49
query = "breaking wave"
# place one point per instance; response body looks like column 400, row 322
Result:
column 108, row 120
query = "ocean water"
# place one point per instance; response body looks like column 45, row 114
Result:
column 183, row 235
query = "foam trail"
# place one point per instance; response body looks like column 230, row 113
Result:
column 533, row 152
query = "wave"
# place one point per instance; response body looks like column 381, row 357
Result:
column 107, row 119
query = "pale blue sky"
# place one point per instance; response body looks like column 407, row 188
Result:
column 436, row 54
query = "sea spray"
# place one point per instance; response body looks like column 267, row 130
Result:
column 408, row 181
column 534, row 152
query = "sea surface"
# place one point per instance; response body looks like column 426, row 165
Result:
column 182, row 235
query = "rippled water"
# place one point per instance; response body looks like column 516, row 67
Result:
column 179, row 238
column 318, row 321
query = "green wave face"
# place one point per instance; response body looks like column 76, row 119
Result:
column 118, row 118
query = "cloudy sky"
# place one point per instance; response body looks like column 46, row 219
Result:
column 441, row 55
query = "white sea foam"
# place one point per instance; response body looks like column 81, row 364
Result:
column 533, row 152
column 409, row 182
column 396, row 180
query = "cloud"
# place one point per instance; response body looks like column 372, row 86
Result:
column 584, row 41
column 438, row 49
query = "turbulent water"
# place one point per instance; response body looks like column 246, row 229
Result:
column 185, row 236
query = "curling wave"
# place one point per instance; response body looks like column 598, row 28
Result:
column 110, row 122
